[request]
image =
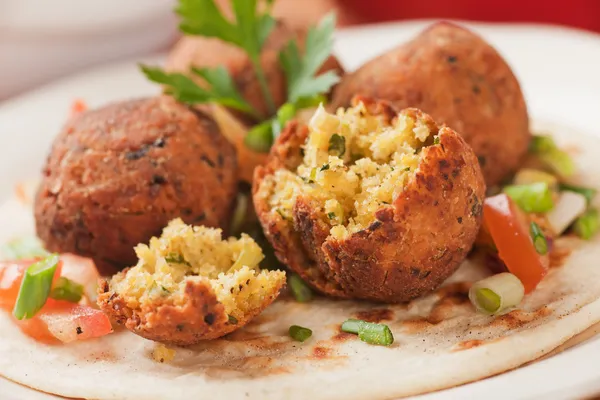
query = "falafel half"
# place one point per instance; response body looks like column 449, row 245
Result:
column 117, row 175
column 190, row 285
column 370, row 203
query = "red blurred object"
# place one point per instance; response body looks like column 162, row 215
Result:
column 583, row 14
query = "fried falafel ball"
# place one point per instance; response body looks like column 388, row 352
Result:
column 370, row 203
column 196, row 51
column 117, row 175
column 190, row 285
column 460, row 80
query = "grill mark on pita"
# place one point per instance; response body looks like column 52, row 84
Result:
column 341, row 337
column 375, row 315
column 321, row 352
column 468, row 344
column 517, row 318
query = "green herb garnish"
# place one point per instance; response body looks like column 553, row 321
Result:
column 300, row 290
column 539, row 240
column 588, row 224
column 331, row 215
column 232, row 320
column 533, row 198
column 23, row 248
column 299, row 333
column 35, row 287
column 176, row 258
column 337, row 145
column 68, row 290
column 369, row 332
column 547, row 151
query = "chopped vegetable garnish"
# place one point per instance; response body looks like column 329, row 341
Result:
column 337, row 145
column 351, row 326
column 35, row 287
column 538, row 238
column 533, row 198
column 568, row 207
column 300, row 70
column 175, row 258
column 369, row 332
column 239, row 215
column 299, row 333
column 496, row 293
column 301, row 291
column 23, row 247
column 260, row 137
column 588, row 224
column 588, row 193
column 285, row 113
column 509, row 229
column 553, row 157
column 436, row 140
column 66, row 289
column 527, row 176
column 232, row 320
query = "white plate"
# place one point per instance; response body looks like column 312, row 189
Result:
column 558, row 70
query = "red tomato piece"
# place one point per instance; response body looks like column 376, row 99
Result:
column 509, row 228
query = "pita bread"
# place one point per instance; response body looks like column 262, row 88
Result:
column 440, row 341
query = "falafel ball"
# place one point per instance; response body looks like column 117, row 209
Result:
column 117, row 175
column 460, row 80
column 196, row 51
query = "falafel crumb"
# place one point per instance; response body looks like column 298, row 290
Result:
column 162, row 353
column 348, row 185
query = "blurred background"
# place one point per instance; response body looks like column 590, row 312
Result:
column 41, row 40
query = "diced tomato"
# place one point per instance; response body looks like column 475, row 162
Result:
column 61, row 321
column 509, row 228
column 11, row 275
column 78, row 106
column 83, row 271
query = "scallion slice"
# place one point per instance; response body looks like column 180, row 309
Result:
column 301, row 291
column 260, row 137
column 546, row 150
column 588, row 224
column 588, row 193
column 538, row 239
column 369, row 332
column 35, row 287
column 496, row 293
column 299, row 333
column 66, row 289
column 533, row 198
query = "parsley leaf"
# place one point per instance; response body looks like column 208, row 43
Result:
column 221, row 87
column 300, row 70
column 249, row 31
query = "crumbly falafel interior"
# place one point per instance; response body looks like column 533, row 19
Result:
column 186, row 253
column 354, row 163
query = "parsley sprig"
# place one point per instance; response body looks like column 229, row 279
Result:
column 249, row 31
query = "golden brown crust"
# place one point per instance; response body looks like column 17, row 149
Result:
column 200, row 317
column 117, row 175
column 411, row 247
column 205, row 52
column 460, row 80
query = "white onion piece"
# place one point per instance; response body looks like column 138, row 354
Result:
column 503, row 290
column 569, row 206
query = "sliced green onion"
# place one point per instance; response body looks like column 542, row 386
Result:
column 239, row 215
column 308, row 102
column 66, row 289
column 369, row 332
column 553, row 157
column 299, row 333
column 538, row 238
column 176, row 258
column 337, row 145
column 567, row 208
column 24, row 247
column 534, row 198
column 588, row 193
column 35, row 287
column 260, row 137
column 352, row 326
column 300, row 290
column 588, row 224
column 497, row 293
column 527, row 176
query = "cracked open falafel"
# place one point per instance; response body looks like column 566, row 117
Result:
column 370, row 203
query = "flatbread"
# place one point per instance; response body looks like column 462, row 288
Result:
column 439, row 339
